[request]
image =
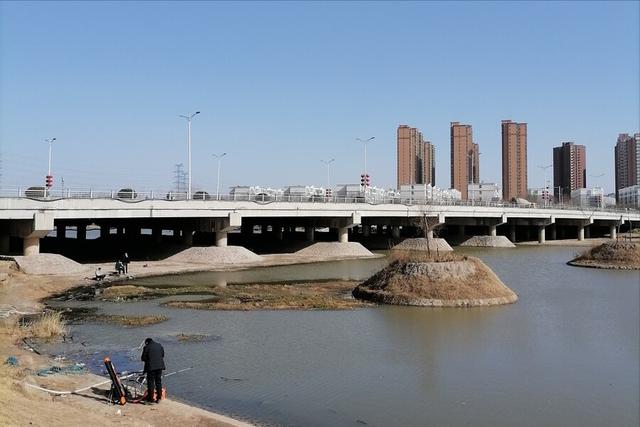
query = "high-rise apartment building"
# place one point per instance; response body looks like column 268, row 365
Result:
column 465, row 158
column 569, row 169
column 514, row 160
column 429, row 164
column 627, row 158
column 416, row 158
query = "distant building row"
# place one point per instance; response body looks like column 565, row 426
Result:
column 416, row 159
column 627, row 169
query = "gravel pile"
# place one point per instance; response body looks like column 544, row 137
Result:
column 420, row 244
column 49, row 264
column 489, row 242
column 215, row 255
column 335, row 250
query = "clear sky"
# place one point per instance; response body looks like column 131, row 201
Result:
column 283, row 85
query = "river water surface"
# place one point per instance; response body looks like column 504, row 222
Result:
column 566, row 354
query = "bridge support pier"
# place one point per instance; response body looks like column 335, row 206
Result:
column 461, row 232
column 493, row 230
column 157, row 234
column 581, row 232
column 221, row 238
column 187, row 237
column 32, row 231
column 512, row 233
column 366, row 230
column 222, row 226
column 81, row 232
column 343, row 234
column 279, row 232
column 613, row 232
column 5, row 241
column 31, row 246
column 344, row 224
column 541, row 234
column 61, row 231
column 395, row 231
column 310, row 233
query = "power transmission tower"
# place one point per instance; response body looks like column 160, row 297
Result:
column 179, row 178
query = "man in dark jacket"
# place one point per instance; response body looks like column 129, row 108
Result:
column 153, row 358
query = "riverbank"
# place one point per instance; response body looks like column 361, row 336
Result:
column 24, row 293
column 23, row 405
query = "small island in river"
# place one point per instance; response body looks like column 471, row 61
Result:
column 617, row 255
column 421, row 279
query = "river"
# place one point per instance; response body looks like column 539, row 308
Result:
column 567, row 353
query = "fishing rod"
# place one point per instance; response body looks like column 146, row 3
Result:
column 129, row 375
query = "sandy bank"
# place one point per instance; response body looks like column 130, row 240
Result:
column 215, row 255
column 25, row 406
column 52, row 274
column 334, row 250
column 453, row 282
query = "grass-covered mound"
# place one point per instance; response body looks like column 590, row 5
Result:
column 618, row 254
column 435, row 281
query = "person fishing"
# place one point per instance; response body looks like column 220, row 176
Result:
column 153, row 358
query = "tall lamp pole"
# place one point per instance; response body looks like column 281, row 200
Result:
column 327, row 164
column 46, row 188
column 546, row 185
column 189, row 117
column 219, row 157
column 364, row 141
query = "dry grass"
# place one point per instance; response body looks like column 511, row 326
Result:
column 615, row 252
column 47, row 326
column 130, row 292
column 289, row 296
column 127, row 321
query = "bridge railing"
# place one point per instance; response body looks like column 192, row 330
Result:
column 132, row 196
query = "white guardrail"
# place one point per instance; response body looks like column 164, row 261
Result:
column 128, row 195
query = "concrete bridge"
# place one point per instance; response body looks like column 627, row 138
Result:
column 28, row 220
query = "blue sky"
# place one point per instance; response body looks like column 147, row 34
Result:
column 283, row 85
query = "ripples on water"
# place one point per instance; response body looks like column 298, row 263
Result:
column 567, row 353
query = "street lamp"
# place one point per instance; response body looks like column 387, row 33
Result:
column 546, row 185
column 48, row 181
column 364, row 141
column 327, row 163
column 189, row 117
column 219, row 157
